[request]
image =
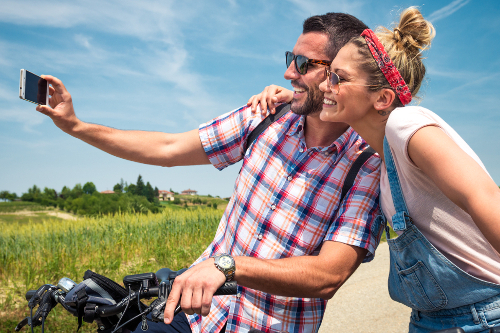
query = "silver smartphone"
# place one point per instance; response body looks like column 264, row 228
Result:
column 33, row 88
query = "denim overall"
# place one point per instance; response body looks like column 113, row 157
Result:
column 440, row 294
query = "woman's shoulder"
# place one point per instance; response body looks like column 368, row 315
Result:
column 407, row 120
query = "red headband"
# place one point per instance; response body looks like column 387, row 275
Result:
column 385, row 64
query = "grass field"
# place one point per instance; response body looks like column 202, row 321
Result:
column 33, row 254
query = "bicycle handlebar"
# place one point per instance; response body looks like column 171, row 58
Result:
column 48, row 296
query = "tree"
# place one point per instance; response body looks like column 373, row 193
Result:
column 77, row 191
column 118, row 188
column 131, row 189
column 149, row 192
column 89, row 188
column 139, row 190
column 65, row 193
column 50, row 193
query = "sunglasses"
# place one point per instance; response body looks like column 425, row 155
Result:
column 333, row 82
column 302, row 63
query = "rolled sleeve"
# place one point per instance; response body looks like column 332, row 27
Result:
column 357, row 221
column 224, row 137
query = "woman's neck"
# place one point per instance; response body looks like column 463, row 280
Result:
column 372, row 130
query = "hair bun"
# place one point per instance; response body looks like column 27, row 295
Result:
column 398, row 36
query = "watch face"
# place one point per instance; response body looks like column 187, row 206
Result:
column 225, row 262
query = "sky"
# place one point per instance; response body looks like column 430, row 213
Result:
column 171, row 65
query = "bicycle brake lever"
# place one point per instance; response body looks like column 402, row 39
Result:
column 37, row 297
column 158, row 304
column 23, row 323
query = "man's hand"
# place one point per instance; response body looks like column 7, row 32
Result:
column 60, row 108
column 195, row 289
column 269, row 97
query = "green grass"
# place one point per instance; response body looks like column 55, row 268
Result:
column 26, row 219
column 392, row 233
column 33, row 254
column 16, row 206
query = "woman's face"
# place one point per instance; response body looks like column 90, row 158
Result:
column 354, row 101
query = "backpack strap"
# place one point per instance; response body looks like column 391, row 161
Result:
column 271, row 118
column 353, row 172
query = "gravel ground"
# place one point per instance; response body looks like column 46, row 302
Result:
column 363, row 303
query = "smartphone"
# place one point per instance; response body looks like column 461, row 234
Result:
column 33, row 88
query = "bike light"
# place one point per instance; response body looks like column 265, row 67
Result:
column 66, row 284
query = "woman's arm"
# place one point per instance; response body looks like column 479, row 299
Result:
column 459, row 177
column 269, row 97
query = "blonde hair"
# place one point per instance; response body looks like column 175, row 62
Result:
column 404, row 45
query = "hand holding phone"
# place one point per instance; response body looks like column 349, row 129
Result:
column 33, row 88
column 58, row 106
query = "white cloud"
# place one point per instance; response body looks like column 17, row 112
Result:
column 83, row 40
column 307, row 8
column 26, row 116
column 447, row 10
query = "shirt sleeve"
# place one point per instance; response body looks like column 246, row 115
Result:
column 358, row 220
column 402, row 124
column 224, row 138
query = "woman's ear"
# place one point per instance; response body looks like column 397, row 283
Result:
column 384, row 99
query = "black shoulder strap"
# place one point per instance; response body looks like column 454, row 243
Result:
column 353, row 172
column 271, row 118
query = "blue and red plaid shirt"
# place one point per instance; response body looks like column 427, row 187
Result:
column 285, row 204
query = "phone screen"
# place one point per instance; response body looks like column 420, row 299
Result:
column 35, row 88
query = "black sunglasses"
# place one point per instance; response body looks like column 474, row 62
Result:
column 302, row 63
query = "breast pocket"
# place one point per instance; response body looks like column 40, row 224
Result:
column 421, row 288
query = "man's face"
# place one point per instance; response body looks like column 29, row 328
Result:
column 307, row 98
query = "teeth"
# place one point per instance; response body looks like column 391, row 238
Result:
column 329, row 101
column 298, row 90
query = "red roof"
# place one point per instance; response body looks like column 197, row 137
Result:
column 164, row 191
column 108, row 192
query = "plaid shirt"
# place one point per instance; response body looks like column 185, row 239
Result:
column 285, row 204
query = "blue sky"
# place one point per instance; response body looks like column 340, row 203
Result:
column 171, row 65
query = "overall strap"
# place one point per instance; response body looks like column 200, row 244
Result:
column 353, row 172
column 400, row 219
column 271, row 118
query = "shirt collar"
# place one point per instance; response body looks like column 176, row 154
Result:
column 297, row 125
column 343, row 142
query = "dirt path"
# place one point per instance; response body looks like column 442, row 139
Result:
column 363, row 303
column 55, row 213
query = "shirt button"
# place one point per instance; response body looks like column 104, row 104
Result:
column 273, row 207
column 238, row 295
column 301, row 150
column 259, row 237
column 327, row 153
column 289, row 178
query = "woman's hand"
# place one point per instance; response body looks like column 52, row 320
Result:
column 269, row 97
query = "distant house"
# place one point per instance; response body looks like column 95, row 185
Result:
column 189, row 192
column 107, row 192
column 165, row 195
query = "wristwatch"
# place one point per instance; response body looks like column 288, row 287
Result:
column 225, row 263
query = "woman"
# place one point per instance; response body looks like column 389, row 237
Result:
column 435, row 192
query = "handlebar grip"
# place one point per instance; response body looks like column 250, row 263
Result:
column 29, row 294
column 228, row 288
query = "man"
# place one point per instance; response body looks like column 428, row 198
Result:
column 293, row 243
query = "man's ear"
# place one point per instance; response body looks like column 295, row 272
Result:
column 384, row 99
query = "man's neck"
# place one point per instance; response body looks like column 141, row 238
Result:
column 320, row 133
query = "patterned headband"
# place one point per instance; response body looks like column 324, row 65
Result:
column 387, row 67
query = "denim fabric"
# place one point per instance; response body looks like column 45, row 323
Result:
column 440, row 294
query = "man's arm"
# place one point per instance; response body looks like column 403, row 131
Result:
column 140, row 146
column 306, row 276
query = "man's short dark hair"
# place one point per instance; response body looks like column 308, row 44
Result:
column 339, row 28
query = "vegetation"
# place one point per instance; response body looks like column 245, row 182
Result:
column 115, row 246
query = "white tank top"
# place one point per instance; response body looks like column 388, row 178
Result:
column 450, row 229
